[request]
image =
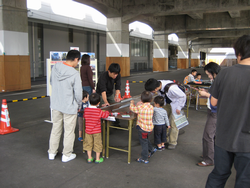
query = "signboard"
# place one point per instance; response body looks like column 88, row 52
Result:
column 60, row 57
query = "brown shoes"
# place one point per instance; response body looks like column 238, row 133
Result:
column 203, row 164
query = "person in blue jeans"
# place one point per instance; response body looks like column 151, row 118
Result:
column 85, row 104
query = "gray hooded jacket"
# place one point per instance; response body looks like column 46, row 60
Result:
column 66, row 85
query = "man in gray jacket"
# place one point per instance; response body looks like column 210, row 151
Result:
column 65, row 101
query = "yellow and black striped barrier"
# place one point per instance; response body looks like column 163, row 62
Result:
column 33, row 98
column 133, row 82
column 26, row 99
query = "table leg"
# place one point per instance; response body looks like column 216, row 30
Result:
column 107, row 146
column 103, row 138
column 130, row 124
column 188, row 102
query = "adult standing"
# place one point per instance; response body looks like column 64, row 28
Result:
column 106, row 83
column 65, row 102
column 175, row 100
column 87, row 75
column 211, row 69
column 230, row 92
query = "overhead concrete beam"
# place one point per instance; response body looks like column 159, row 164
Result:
column 178, row 7
column 214, row 42
column 196, row 15
column 216, row 21
column 215, row 34
column 234, row 14
column 110, row 8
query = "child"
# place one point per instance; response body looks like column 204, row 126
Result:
column 190, row 77
column 160, row 120
column 198, row 77
column 85, row 103
column 144, row 124
column 93, row 137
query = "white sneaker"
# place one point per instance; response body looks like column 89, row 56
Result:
column 67, row 159
column 51, row 156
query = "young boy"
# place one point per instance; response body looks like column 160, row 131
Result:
column 144, row 124
column 93, row 137
column 85, row 103
column 175, row 100
column 160, row 121
column 198, row 77
column 190, row 77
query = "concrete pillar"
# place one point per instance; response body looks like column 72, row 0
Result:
column 160, row 52
column 118, row 45
column 14, row 50
column 182, row 61
column 195, row 56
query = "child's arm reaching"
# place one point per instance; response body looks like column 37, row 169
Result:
column 104, row 114
column 132, row 107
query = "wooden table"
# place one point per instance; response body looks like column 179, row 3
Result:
column 123, row 109
column 197, row 95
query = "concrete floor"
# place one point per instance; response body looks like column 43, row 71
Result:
column 24, row 160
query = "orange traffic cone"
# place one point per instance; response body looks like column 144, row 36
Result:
column 5, row 126
column 127, row 91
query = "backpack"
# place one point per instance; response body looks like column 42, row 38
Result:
column 181, row 86
column 166, row 88
column 185, row 81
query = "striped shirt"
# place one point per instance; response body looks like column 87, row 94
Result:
column 160, row 116
column 145, row 113
column 92, row 116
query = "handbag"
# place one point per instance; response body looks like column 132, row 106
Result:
column 180, row 120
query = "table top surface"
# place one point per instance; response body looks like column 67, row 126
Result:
column 123, row 108
column 202, row 84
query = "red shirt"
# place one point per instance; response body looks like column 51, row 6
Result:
column 92, row 118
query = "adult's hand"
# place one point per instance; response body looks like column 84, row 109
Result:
column 117, row 98
column 106, row 104
column 178, row 111
column 204, row 93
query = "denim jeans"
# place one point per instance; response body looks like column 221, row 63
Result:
column 223, row 162
column 88, row 89
column 145, row 143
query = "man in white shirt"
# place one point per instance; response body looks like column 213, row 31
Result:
column 175, row 100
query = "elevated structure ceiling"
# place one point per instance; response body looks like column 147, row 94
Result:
column 204, row 22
